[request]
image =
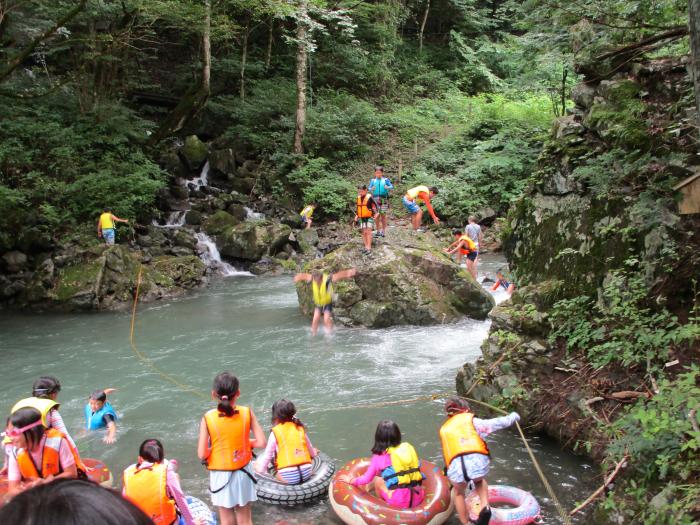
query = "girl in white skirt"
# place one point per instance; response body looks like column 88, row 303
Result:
column 226, row 447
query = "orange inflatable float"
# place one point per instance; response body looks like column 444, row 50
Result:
column 355, row 506
column 97, row 473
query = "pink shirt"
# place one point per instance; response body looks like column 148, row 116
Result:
column 400, row 498
column 65, row 458
column 55, row 420
column 172, row 485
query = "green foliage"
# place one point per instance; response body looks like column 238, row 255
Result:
column 622, row 326
column 662, row 444
column 318, row 183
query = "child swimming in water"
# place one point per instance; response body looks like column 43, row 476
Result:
column 153, row 485
column 466, row 454
column 226, row 447
column 100, row 414
column 394, row 469
column 289, row 445
column 501, row 281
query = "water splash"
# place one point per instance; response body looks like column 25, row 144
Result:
column 251, row 215
column 203, row 179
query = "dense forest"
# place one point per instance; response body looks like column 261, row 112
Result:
column 98, row 96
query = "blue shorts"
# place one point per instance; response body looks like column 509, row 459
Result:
column 325, row 308
column 411, row 206
column 108, row 235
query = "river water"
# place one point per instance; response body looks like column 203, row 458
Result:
column 253, row 327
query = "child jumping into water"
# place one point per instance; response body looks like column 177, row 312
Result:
column 394, row 467
column 466, row 454
column 153, row 485
column 99, row 414
column 501, row 281
column 289, row 445
column 322, row 289
column 227, row 449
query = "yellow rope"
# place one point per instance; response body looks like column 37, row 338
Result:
column 148, row 362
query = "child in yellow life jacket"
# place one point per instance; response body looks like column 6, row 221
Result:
column 153, row 485
column 306, row 215
column 466, row 454
column 40, row 454
column 394, row 467
column 227, row 449
column 289, row 445
column 322, row 290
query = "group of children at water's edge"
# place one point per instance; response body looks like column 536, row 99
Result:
column 38, row 450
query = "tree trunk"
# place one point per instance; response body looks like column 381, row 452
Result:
column 244, row 57
column 197, row 96
column 694, row 26
column 422, row 27
column 16, row 61
column 301, row 80
column 270, row 39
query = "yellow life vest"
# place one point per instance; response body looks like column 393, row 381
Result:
column 106, row 221
column 413, row 192
column 363, row 211
column 405, row 467
column 146, row 488
column 291, row 445
column 459, row 437
column 307, row 212
column 323, row 293
column 471, row 246
column 44, row 406
column 230, row 439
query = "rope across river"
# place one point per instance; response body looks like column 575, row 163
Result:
column 188, row 388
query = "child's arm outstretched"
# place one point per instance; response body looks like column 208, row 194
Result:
column 111, row 431
column 302, row 277
column 265, row 458
column 172, row 481
column 486, row 426
column 344, row 274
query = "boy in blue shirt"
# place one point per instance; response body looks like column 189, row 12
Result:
column 379, row 188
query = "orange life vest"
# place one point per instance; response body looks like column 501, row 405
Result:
column 470, row 246
column 146, row 488
column 50, row 459
column 291, row 445
column 230, row 439
column 459, row 437
column 363, row 211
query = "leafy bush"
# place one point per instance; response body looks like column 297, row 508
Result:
column 662, row 444
column 320, row 184
column 621, row 326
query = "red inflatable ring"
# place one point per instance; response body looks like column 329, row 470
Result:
column 354, row 506
column 97, row 473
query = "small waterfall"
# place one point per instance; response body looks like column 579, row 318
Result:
column 212, row 258
column 251, row 215
column 203, row 179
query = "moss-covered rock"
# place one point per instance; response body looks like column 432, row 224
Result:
column 252, row 240
column 407, row 280
column 219, row 223
column 194, row 152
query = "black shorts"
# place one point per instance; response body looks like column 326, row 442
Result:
column 472, row 256
column 326, row 308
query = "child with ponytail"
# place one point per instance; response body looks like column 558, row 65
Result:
column 289, row 445
column 225, row 446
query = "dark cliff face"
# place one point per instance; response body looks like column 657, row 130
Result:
column 602, row 190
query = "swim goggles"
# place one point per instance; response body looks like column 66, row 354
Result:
column 14, row 432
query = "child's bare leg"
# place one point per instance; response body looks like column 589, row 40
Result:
column 227, row 516
column 460, row 505
column 244, row 515
column 482, row 489
column 316, row 319
column 328, row 322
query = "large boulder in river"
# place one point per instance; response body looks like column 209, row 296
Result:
column 220, row 222
column 405, row 281
column 194, row 152
column 252, row 240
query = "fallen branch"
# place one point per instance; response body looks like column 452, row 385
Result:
column 622, row 463
column 629, row 394
column 693, row 420
column 677, row 32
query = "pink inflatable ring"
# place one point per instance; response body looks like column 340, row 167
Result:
column 525, row 508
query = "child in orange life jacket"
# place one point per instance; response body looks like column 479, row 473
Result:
column 226, row 447
column 464, row 245
column 153, row 485
column 466, row 454
column 41, row 454
column 394, row 467
column 501, row 281
column 289, row 445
